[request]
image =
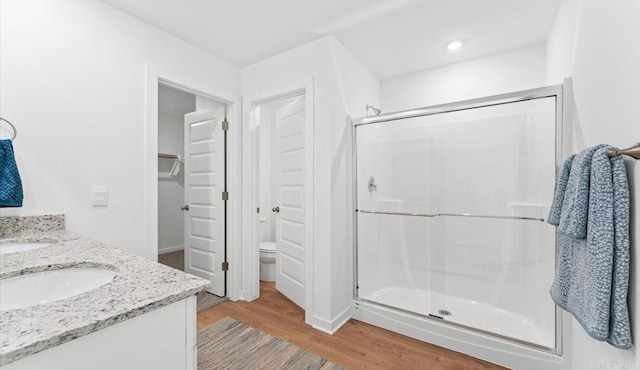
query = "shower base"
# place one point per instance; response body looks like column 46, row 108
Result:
column 477, row 315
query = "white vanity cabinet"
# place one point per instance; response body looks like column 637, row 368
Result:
column 161, row 339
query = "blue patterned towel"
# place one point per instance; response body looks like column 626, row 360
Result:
column 562, row 178
column 10, row 184
column 620, row 326
column 573, row 217
column 592, row 251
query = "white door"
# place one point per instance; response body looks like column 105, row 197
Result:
column 203, row 186
column 289, row 126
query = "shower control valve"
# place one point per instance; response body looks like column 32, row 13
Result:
column 372, row 185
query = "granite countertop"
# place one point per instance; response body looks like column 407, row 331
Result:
column 140, row 286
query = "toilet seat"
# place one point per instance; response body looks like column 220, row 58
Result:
column 268, row 247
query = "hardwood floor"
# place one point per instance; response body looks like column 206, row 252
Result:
column 355, row 346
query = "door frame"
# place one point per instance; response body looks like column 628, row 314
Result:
column 251, row 264
column 155, row 76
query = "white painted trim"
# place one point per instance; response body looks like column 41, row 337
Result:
column 155, row 75
column 191, row 336
column 170, row 249
column 331, row 327
column 251, row 263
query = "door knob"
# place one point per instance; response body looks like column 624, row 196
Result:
column 185, row 207
column 275, row 209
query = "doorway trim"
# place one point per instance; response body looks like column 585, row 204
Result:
column 251, row 264
column 155, row 76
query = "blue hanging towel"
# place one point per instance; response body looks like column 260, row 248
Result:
column 10, row 183
column 591, row 211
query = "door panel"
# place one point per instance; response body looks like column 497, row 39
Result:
column 203, row 186
column 290, row 226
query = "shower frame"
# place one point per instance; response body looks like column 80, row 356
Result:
column 555, row 91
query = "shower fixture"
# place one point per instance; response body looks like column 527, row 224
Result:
column 374, row 109
column 372, row 185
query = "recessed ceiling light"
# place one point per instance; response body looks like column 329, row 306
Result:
column 455, row 45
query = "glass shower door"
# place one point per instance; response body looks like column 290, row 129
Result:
column 450, row 211
column 498, row 253
column 398, row 187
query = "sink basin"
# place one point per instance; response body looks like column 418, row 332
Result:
column 47, row 286
column 21, row 247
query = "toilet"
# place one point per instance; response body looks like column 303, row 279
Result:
column 267, row 253
column 268, row 261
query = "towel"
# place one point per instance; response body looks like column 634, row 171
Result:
column 592, row 251
column 562, row 178
column 620, row 325
column 10, row 183
column 573, row 218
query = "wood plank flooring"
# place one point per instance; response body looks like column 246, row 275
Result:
column 355, row 346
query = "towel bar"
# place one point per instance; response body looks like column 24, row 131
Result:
column 15, row 131
column 632, row 151
column 450, row 214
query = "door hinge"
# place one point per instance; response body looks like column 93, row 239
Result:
column 225, row 266
column 258, row 210
column 225, row 195
column 225, row 125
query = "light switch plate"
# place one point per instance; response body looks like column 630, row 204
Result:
column 99, row 196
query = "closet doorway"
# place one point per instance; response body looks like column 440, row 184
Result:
column 192, row 208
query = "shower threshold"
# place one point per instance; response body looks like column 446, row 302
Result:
column 478, row 316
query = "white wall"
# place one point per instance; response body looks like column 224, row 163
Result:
column 342, row 86
column 514, row 70
column 356, row 87
column 309, row 60
column 72, row 78
column 598, row 45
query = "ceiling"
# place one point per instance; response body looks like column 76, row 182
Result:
column 391, row 37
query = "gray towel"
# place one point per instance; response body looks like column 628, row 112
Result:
column 562, row 178
column 592, row 251
column 620, row 326
column 573, row 217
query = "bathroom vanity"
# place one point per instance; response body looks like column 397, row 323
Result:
column 108, row 309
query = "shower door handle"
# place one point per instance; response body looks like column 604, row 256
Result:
column 275, row 209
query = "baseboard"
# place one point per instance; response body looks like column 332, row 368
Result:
column 332, row 326
column 170, row 249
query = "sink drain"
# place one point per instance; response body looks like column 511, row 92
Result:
column 444, row 312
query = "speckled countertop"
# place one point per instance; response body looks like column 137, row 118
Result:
column 140, row 286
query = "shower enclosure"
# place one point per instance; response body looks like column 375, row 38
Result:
column 450, row 204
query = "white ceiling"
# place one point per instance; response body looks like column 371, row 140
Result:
column 391, row 37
